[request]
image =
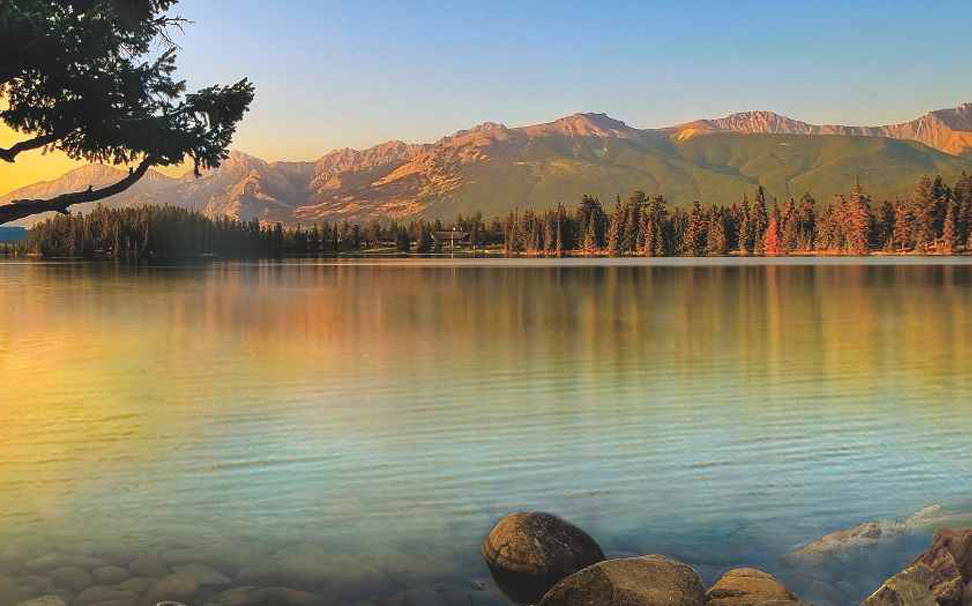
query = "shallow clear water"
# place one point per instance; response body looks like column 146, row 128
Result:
column 382, row 416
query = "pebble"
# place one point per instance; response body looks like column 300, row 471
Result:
column 176, row 587
column 45, row 600
column 72, row 577
column 111, row 575
column 203, row 575
column 138, row 584
column 149, row 566
column 95, row 595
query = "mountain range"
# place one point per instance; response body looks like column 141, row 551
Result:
column 493, row 168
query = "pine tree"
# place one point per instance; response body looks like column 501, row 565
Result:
column 745, row 226
column 773, row 240
column 923, row 214
column 904, row 226
column 885, row 227
column 808, row 222
column 695, row 233
column 717, row 241
column 950, row 229
column 858, row 220
column 615, row 241
column 403, row 243
column 759, row 220
column 654, row 228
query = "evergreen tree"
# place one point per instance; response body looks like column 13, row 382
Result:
column 885, row 226
column 773, row 239
column 950, row 229
column 403, row 243
column 695, row 233
column 858, row 221
column 717, row 241
column 654, row 228
column 924, row 211
column 759, row 220
column 746, row 232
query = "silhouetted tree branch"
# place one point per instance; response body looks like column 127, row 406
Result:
column 19, row 209
column 84, row 78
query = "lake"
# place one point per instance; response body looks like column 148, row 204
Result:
column 355, row 428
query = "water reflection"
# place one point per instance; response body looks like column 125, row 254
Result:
column 389, row 413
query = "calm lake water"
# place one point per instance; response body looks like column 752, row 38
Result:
column 365, row 424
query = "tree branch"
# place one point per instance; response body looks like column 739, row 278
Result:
column 8, row 155
column 18, row 209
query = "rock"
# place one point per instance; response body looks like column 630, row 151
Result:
column 111, row 575
column 138, row 584
column 956, row 543
column 967, row 595
column 862, row 535
column 748, row 587
column 910, row 587
column 270, row 596
column 45, row 600
column 642, row 581
column 61, row 560
column 850, row 591
column 149, row 566
column 203, row 575
column 43, row 585
column 291, row 597
column 823, row 594
column 72, row 577
column 95, row 595
column 309, row 568
column 418, row 597
column 942, row 574
column 122, row 602
column 528, row 553
column 13, row 593
column 237, row 596
column 175, row 587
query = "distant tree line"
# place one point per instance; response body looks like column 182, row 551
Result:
column 936, row 218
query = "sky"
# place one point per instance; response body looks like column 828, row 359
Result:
column 337, row 74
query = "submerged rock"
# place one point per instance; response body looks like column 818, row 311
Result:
column 267, row 596
column 203, row 575
column 98, row 595
column 149, row 566
column 12, row 592
column 871, row 533
column 72, row 577
column 45, row 600
column 910, row 587
column 111, row 575
column 61, row 560
column 138, row 584
column 528, row 553
column 749, row 587
column 175, row 587
column 652, row 580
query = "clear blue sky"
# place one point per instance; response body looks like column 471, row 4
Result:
column 334, row 74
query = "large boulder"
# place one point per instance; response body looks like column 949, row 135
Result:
column 528, row 553
column 940, row 576
column 956, row 543
column 749, row 587
column 910, row 587
column 641, row 581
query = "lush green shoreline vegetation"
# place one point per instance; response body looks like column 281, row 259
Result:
column 936, row 219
